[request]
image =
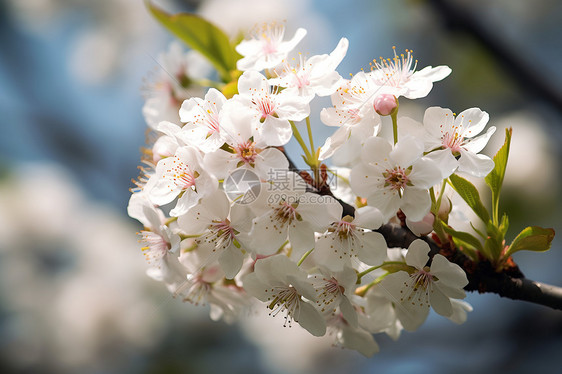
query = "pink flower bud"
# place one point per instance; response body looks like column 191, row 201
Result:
column 423, row 227
column 385, row 104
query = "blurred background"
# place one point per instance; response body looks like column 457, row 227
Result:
column 74, row 296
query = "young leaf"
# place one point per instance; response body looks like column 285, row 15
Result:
column 466, row 242
column 532, row 238
column 465, row 237
column 495, row 179
column 470, row 194
column 494, row 243
column 202, row 36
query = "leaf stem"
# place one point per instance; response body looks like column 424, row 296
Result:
column 304, row 257
column 394, row 117
column 309, row 128
column 365, row 272
column 301, row 142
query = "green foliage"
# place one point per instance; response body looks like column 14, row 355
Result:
column 470, row 194
column 202, row 36
column 532, row 238
column 494, row 243
column 464, row 241
column 494, row 180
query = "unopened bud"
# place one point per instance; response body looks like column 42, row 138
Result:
column 423, row 227
column 385, row 104
column 444, row 209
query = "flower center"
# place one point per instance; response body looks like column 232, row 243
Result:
column 397, row 70
column 265, row 106
column 221, row 234
column 416, row 290
column 344, row 229
column 329, row 291
column 180, row 175
column 397, row 179
column 270, row 36
column 247, row 152
column 155, row 246
column 284, row 299
column 285, row 213
column 195, row 290
column 453, row 141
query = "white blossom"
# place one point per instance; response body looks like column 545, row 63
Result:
column 393, row 178
column 266, row 49
column 270, row 109
column 316, row 75
column 449, row 136
column 398, row 76
column 278, row 281
column 181, row 175
column 413, row 292
column 351, row 239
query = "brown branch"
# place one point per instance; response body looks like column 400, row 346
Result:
column 510, row 283
column 482, row 277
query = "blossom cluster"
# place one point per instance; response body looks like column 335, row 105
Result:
column 230, row 223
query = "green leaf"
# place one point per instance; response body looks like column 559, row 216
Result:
column 202, row 36
column 504, row 225
column 470, row 194
column 532, row 238
column 494, row 180
column 494, row 242
column 465, row 237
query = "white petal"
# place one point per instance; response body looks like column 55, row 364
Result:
column 231, row 260
column 220, row 162
column 375, row 149
column 368, row 217
column 438, row 121
column 292, row 43
column 477, row 144
column 460, row 309
column 425, row 173
column 411, row 316
column 348, row 311
column 334, row 142
column 359, row 340
column 274, row 131
column 434, row 74
column 187, row 201
column 417, row 255
column 415, row 203
column 444, row 159
column 407, row 151
column 267, row 235
column 372, row 249
column 328, row 252
column 475, row 164
column 168, row 128
column 451, row 291
column 365, row 179
column 385, row 200
column 473, row 121
column 309, row 318
column 255, row 287
column 301, row 236
column 251, row 81
column 320, row 211
column 448, row 273
column 439, row 302
column 270, row 159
